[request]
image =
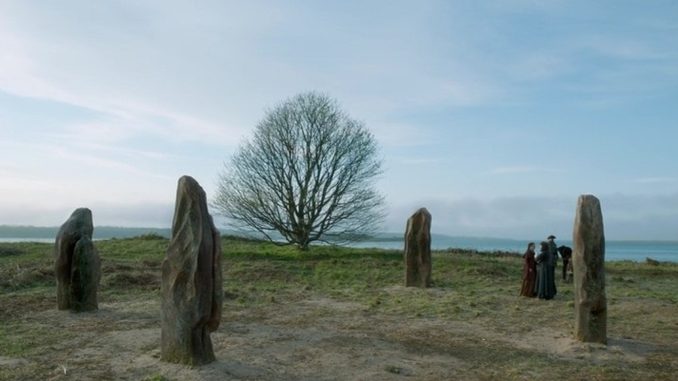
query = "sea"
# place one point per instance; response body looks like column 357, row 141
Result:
column 637, row 251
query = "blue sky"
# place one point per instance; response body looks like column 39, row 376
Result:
column 495, row 115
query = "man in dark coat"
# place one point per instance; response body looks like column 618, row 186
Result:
column 566, row 254
column 546, row 284
column 553, row 252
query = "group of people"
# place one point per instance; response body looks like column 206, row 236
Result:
column 539, row 279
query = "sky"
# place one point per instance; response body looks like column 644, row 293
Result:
column 494, row 115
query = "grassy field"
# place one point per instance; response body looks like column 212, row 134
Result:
column 335, row 313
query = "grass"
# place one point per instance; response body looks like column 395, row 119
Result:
column 469, row 288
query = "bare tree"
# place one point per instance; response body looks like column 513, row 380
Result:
column 306, row 175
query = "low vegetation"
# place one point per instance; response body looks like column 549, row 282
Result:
column 472, row 317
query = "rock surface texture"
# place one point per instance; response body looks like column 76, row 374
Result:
column 590, row 305
column 191, row 280
column 418, row 249
column 77, row 266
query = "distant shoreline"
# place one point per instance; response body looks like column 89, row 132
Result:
column 107, row 232
column 100, row 232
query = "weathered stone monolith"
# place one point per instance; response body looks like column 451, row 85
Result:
column 590, row 304
column 77, row 266
column 418, row 249
column 191, row 280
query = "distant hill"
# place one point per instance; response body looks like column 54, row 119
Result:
column 100, row 232
column 106, row 232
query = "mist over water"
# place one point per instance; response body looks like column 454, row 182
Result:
column 614, row 250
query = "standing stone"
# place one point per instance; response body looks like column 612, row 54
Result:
column 191, row 280
column 77, row 266
column 590, row 305
column 418, row 249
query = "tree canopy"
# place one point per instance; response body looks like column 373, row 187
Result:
column 306, row 175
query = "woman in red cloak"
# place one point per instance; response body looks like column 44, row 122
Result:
column 529, row 273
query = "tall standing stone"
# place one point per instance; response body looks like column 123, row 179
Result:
column 191, row 280
column 418, row 249
column 77, row 266
column 590, row 305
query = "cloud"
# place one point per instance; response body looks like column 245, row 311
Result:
column 418, row 160
column 540, row 66
column 517, row 169
column 12, row 182
column 25, row 71
column 77, row 154
column 164, row 89
column 185, row 74
column 656, row 180
column 105, row 214
column 625, row 217
column 624, row 48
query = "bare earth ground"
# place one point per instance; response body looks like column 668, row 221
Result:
column 313, row 339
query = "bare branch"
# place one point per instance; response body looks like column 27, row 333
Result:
column 307, row 174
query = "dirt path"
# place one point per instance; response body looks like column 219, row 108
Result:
column 313, row 339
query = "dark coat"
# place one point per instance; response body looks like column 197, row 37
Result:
column 546, row 282
column 553, row 254
column 565, row 252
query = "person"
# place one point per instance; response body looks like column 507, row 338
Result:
column 553, row 250
column 566, row 254
column 529, row 272
column 546, row 284
column 570, row 273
